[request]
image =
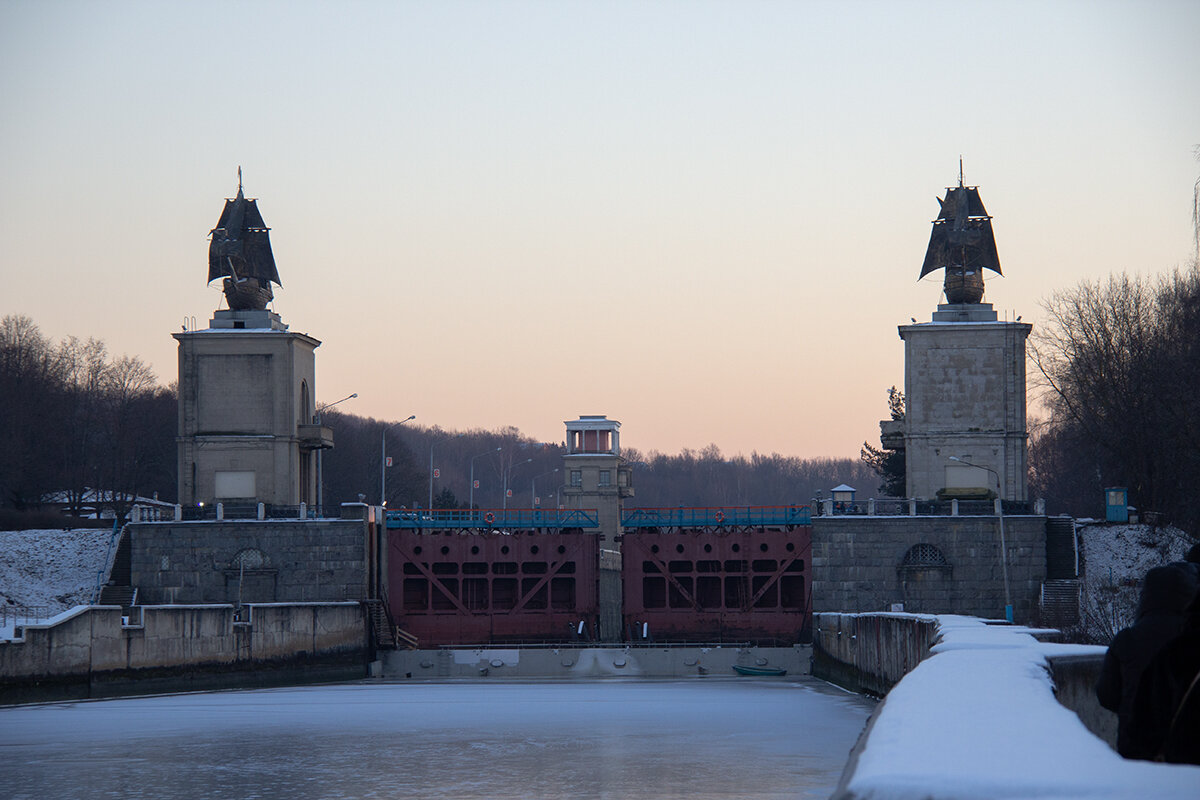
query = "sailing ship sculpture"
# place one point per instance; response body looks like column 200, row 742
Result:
column 240, row 253
column 962, row 243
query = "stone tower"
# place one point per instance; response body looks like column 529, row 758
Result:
column 247, row 385
column 964, row 431
column 596, row 476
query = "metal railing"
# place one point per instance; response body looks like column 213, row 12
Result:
column 716, row 517
column 907, row 507
column 242, row 511
column 493, row 518
column 102, row 574
column 15, row 616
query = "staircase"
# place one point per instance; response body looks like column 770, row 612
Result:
column 381, row 626
column 123, row 596
column 388, row 635
column 118, row 591
column 1060, row 593
column 1060, row 548
column 1060, row 603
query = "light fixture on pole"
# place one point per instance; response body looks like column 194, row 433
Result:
column 533, row 487
column 508, row 474
column 471, row 493
column 383, row 457
column 1008, row 609
column 320, row 461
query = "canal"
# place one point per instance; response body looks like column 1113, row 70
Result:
column 695, row 739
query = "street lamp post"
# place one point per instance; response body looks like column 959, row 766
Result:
column 320, row 460
column 383, row 457
column 471, row 493
column 533, row 487
column 508, row 474
column 1008, row 609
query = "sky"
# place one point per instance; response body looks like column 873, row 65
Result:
column 703, row 219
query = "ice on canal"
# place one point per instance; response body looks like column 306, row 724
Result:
column 711, row 738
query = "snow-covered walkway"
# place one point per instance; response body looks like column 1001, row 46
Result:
column 979, row 719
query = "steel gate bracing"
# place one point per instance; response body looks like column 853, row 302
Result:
column 449, row 587
column 745, row 584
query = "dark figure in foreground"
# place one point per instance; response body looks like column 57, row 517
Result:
column 1165, row 721
column 1166, row 592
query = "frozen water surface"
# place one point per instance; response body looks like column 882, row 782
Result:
column 697, row 739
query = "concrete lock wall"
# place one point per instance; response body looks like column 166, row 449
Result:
column 90, row 652
column 1075, row 687
column 249, row 561
column 870, row 652
column 863, row 564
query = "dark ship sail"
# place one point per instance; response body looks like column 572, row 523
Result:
column 963, row 244
column 240, row 252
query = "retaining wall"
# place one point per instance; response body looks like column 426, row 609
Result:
column 870, row 652
column 250, row 561
column 859, row 565
column 89, row 652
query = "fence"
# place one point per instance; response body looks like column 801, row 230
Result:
column 911, row 507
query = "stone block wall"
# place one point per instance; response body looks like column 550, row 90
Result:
column 931, row 565
column 250, row 561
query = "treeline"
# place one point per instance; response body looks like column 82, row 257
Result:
column 1119, row 361
column 74, row 419
column 706, row 478
column 518, row 470
column 353, row 466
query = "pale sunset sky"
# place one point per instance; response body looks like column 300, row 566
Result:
column 704, row 219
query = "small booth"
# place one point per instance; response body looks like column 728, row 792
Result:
column 843, row 498
column 1116, row 502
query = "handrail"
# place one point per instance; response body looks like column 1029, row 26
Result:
column 716, row 516
column 493, row 518
column 108, row 556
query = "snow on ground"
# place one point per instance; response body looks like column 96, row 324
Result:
column 978, row 719
column 50, row 570
column 1113, row 561
column 1112, row 554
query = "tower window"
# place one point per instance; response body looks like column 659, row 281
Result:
column 605, row 477
column 576, row 477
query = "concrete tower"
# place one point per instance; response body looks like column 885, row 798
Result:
column 596, row 476
column 247, row 385
column 964, row 430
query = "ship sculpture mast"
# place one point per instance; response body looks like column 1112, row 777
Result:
column 962, row 243
column 240, row 253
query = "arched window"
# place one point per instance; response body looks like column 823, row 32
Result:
column 250, row 558
column 306, row 412
column 924, row 555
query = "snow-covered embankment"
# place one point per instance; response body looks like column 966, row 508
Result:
column 978, row 718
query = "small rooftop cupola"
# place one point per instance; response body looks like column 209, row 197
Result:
column 240, row 253
column 962, row 243
column 594, row 434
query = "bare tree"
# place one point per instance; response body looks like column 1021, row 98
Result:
column 1119, row 362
